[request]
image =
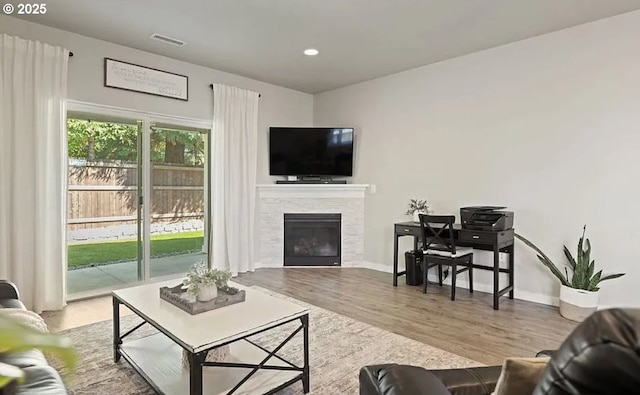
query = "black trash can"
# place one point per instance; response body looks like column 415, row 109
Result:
column 413, row 264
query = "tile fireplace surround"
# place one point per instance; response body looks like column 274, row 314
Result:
column 274, row 200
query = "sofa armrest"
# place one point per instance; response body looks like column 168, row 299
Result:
column 8, row 290
column 480, row 380
column 393, row 379
column 41, row 380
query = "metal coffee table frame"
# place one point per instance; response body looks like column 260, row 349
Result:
column 197, row 360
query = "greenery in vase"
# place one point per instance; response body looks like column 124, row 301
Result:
column 583, row 271
column 201, row 275
column 415, row 205
column 15, row 337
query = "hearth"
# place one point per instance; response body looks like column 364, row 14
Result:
column 312, row 239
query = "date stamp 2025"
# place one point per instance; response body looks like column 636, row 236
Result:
column 25, row 9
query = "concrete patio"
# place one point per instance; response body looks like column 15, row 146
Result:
column 105, row 276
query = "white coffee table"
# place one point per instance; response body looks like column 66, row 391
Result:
column 249, row 368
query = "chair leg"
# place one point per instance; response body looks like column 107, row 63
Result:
column 440, row 275
column 454, row 273
column 425, row 269
column 471, row 274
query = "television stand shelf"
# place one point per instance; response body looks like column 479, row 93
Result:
column 315, row 191
column 312, row 182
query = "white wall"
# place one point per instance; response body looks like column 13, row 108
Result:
column 278, row 106
column 549, row 126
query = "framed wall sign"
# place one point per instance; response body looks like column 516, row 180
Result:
column 136, row 78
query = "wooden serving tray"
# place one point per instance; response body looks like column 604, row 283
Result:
column 178, row 297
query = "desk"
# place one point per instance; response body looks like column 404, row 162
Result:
column 496, row 241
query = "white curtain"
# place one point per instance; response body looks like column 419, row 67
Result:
column 233, row 178
column 33, row 88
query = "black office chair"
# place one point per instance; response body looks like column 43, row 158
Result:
column 439, row 248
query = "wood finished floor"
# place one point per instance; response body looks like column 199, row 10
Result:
column 467, row 326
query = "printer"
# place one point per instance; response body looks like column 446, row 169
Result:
column 491, row 218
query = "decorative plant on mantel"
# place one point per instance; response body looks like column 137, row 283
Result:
column 416, row 207
column 203, row 282
column 584, row 281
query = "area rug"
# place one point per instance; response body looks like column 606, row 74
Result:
column 339, row 347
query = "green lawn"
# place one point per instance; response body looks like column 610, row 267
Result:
column 113, row 251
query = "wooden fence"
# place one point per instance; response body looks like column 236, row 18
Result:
column 106, row 193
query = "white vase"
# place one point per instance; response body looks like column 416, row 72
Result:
column 207, row 293
column 577, row 304
column 416, row 215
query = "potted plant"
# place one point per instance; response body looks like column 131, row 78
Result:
column 578, row 291
column 15, row 337
column 203, row 282
column 417, row 207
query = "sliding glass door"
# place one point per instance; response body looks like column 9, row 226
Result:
column 117, row 232
column 104, row 215
column 178, row 202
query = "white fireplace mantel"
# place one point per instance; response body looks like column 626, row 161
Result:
column 275, row 200
column 312, row 190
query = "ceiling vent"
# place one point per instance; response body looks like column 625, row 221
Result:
column 168, row 40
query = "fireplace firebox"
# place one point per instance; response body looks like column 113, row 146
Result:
column 312, row 239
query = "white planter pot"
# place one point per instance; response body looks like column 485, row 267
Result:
column 416, row 214
column 205, row 294
column 577, row 304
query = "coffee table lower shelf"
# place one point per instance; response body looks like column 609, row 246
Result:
column 159, row 360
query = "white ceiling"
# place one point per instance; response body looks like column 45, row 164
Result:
column 358, row 39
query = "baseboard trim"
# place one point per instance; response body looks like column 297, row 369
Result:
column 378, row 266
column 488, row 288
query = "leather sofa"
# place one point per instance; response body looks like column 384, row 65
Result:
column 601, row 356
column 40, row 378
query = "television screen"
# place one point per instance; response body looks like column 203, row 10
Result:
column 310, row 151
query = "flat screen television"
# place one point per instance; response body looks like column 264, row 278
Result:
column 320, row 152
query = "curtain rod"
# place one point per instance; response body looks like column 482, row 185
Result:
column 211, row 86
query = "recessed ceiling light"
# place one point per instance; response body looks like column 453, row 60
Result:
column 311, row 52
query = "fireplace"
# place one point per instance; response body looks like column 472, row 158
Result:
column 312, row 239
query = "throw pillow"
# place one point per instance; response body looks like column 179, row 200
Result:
column 26, row 318
column 519, row 376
